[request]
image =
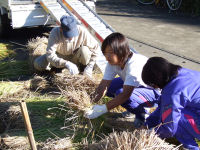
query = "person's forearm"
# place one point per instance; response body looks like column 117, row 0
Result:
column 99, row 93
column 91, row 63
column 56, row 61
column 53, row 58
column 101, row 90
column 118, row 100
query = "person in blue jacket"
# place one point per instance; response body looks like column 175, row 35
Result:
column 179, row 110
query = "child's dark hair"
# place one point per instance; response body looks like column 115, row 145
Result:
column 158, row 71
column 119, row 44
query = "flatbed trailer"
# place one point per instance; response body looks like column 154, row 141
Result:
column 15, row 14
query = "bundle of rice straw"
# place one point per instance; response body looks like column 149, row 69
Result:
column 38, row 83
column 15, row 142
column 136, row 140
column 56, row 144
column 37, row 47
column 65, row 81
column 78, row 99
column 77, row 89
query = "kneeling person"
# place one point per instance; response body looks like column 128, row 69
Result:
column 128, row 90
column 69, row 46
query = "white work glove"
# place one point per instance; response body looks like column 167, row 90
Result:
column 88, row 70
column 96, row 111
column 73, row 69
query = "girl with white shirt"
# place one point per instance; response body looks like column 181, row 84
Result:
column 128, row 90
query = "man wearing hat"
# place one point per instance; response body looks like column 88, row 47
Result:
column 69, row 46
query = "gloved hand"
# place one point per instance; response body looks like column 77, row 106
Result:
column 88, row 70
column 96, row 111
column 73, row 69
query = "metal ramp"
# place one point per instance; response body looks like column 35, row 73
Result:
column 53, row 9
column 89, row 18
column 78, row 8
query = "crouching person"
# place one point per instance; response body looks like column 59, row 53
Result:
column 70, row 46
column 128, row 90
column 179, row 111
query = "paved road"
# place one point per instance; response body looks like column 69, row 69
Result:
column 154, row 31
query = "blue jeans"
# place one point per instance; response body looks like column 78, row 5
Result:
column 140, row 98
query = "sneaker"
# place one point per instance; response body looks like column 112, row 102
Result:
column 145, row 115
column 127, row 115
column 138, row 123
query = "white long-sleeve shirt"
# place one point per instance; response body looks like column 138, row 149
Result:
column 131, row 74
column 58, row 44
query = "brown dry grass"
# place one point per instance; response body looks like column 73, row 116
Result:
column 75, row 82
column 15, row 143
column 77, row 89
column 10, row 116
column 11, row 119
column 38, row 83
column 37, row 47
column 136, row 140
column 56, row 144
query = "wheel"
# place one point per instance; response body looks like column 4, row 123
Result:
column 174, row 4
column 146, row 1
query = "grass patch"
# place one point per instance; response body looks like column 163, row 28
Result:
column 9, row 88
column 13, row 69
column 10, row 67
column 46, row 123
column 92, row 131
column 6, row 51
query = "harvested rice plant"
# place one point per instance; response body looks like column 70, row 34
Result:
column 56, row 104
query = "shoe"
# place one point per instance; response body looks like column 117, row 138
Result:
column 138, row 123
column 145, row 115
column 127, row 115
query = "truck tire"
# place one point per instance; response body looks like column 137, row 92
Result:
column 4, row 25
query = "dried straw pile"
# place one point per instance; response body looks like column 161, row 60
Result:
column 37, row 47
column 11, row 120
column 10, row 117
column 136, row 140
column 38, row 83
column 56, row 144
column 75, row 82
column 15, row 143
column 77, row 89
column 78, row 99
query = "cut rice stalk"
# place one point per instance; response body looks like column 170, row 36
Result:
column 78, row 99
column 37, row 47
column 136, row 140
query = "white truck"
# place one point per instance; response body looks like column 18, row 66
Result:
column 24, row 13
